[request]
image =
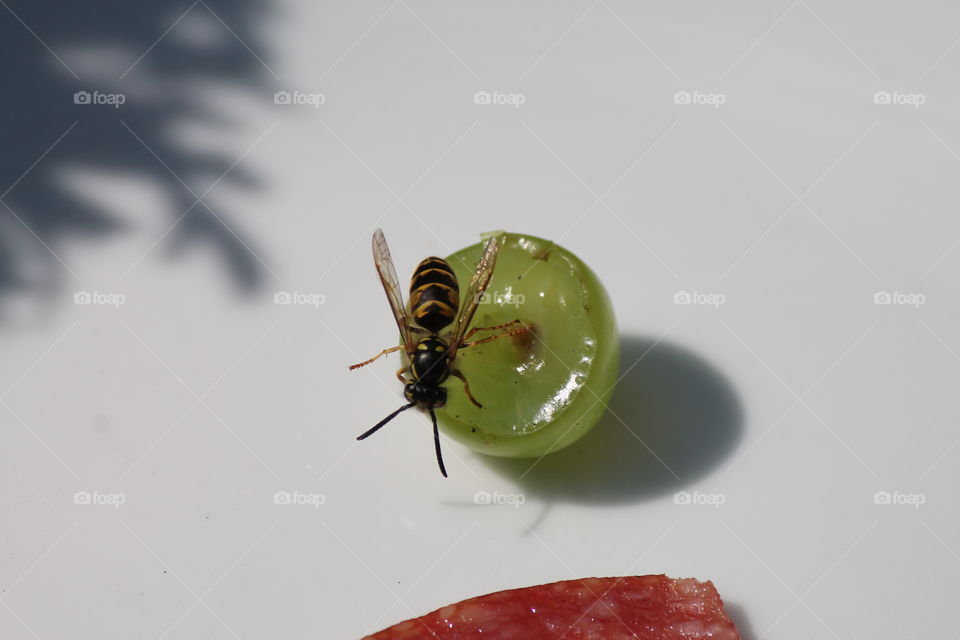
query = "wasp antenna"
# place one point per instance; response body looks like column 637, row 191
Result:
column 436, row 442
column 390, row 417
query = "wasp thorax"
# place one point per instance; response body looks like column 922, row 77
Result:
column 429, row 361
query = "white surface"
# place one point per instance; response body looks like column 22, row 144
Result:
column 797, row 200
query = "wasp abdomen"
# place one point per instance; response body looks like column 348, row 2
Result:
column 434, row 294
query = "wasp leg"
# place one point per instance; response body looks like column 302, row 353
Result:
column 466, row 387
column 496, row 326
column 366, row 362
column 400, row 372
column 513, row 332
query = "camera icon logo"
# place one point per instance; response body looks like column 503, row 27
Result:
column 282, row 97
column 881, row 497
column 482, row 97
column 81, row 97
column 282, row 297
column 682, row 297
column 682, row 97
column 882, row 297
column 282, row 497
column 682, row 497
column 82, row 497
column 482, row 497
column 882, row 97
column 82, row 297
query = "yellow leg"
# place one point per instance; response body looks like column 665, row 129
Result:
column 513, row 332
column 466, row 387
column 496, row 326
column 366, row 362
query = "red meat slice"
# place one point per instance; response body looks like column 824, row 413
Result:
column 633, row 607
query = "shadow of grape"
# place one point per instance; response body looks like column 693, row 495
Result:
column 673, row 418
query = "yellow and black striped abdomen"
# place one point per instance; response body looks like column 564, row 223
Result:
column 434, row 294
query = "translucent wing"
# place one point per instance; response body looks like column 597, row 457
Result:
column 388, row 276
column 478, row 285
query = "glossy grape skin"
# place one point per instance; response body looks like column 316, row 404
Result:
column 540, row 392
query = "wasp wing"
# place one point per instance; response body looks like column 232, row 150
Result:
column 388, row 276
column 478, row 285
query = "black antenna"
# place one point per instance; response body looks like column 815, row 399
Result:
column 436, row 442
column 390, row 417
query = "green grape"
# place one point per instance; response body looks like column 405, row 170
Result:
column 540, row 391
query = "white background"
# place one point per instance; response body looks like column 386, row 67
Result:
column 794, row 402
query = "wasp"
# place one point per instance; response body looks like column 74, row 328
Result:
column 431, row 350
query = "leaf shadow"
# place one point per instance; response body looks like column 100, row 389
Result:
column 157, row 56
